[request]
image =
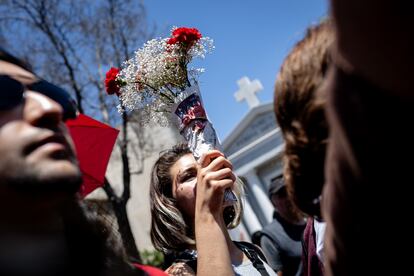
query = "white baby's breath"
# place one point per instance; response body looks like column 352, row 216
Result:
column 157, row 74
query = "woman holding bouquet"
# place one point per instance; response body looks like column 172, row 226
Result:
column 190, row 218
column 192, row 225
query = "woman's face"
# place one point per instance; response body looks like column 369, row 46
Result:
column 184, row 180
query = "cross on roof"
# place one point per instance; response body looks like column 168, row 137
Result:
column 247, row 91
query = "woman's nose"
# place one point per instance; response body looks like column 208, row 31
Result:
column 42, row 111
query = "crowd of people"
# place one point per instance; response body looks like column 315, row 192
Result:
column 344, row 103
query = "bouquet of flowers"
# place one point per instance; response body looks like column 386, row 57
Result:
column 159, row 82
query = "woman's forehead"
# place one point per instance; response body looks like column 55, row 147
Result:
column 183, row 163
column 16, row 72
column 187, row 160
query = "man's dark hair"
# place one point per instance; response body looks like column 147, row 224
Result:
column 93, row 247
column 6, row 56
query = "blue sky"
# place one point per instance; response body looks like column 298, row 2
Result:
column 251, row 37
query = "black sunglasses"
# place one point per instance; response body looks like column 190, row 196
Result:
column 12, row 91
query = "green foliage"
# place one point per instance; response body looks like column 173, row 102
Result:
column 152, row 258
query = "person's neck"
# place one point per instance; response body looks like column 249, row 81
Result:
column 290, row 218
column 34, row 224
column 32, row 216
column 40, row 231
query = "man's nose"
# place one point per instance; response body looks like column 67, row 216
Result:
column 42, row 111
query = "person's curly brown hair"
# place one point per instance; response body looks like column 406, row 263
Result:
column 299, row 109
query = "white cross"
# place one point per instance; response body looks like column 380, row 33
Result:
column 247, row 91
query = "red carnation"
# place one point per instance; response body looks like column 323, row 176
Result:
column 185, row 35
column 111, row 84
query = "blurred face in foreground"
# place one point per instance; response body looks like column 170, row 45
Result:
column 37, row 158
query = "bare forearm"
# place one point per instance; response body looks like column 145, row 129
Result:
column 212, row 248
column 212, row 238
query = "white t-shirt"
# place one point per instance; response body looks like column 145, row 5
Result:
column 246, row 268
column 319, row 227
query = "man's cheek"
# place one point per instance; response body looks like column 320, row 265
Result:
column 64, row 130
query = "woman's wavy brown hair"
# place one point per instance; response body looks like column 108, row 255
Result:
column 169, row 231
column 299, row 108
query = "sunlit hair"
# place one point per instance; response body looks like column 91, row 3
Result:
column 299, row 108
column 169, row 230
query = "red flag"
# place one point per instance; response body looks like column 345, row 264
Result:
column 94, row 142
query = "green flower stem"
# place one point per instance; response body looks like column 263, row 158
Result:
column 169, row 89
column 170, row 100
column 167, row 97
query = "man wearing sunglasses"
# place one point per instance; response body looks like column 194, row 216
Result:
column 36, row 154
column 43, row 227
